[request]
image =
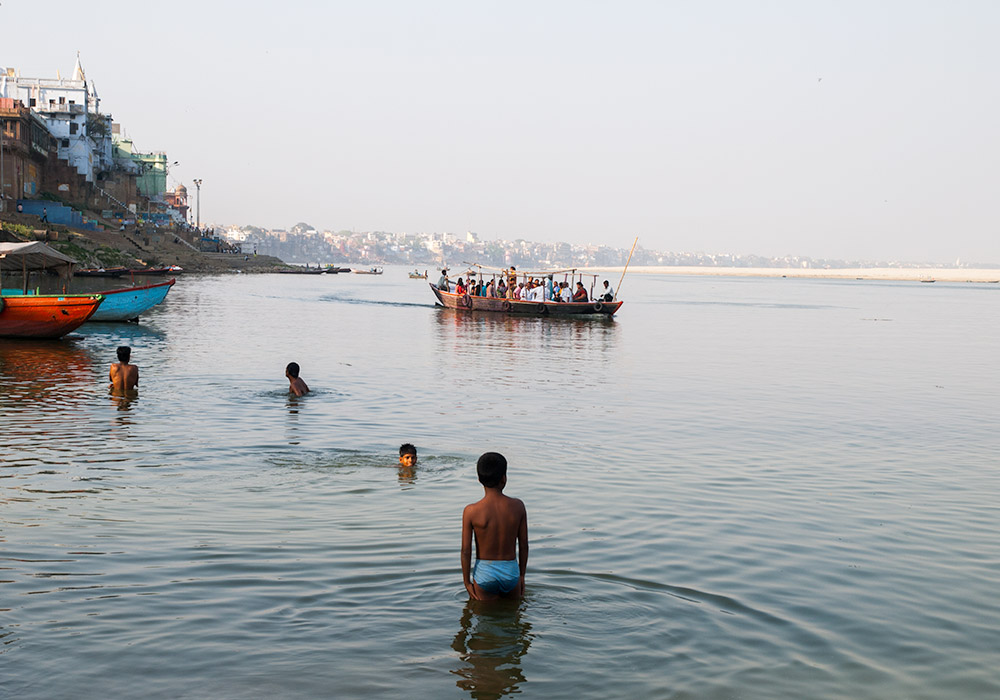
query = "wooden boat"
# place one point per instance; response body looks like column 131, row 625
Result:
column 128, row 303
column 466, row 302
column 415, row 275
column 153, row 271
column 102, row 272
column 45, row 315
column 369, row 271
column 302, row 271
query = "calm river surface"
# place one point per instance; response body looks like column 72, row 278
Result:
column 739, row 488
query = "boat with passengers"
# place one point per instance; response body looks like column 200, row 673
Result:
column 542, row 305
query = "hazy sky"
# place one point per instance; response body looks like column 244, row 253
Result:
column 843, row 129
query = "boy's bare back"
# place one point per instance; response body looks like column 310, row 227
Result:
column 124, row 377
column 496, row 521
column 499, row 526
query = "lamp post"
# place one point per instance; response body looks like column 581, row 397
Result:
column 197, row 184
column 3, row 191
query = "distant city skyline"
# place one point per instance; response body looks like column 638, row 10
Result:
column 843, row 130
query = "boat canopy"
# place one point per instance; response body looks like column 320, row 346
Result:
column 33, row 256
column 25, row 258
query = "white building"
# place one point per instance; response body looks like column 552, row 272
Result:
column 71, row 110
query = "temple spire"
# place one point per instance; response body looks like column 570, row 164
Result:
column 78, row 69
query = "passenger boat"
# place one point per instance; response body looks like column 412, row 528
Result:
column 416, row 275
column 466, row 302
column 334, row 270
column 45, row 315
column 128, row 303
column 533, row 307
column 369, row 271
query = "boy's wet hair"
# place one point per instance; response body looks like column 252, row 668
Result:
column 407, row 449
column 491, row 468
column 124, row 353
column 292, row 369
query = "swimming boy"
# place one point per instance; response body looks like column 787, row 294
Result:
column 407, row 455
column 124, row 377
column 499, row 525
column 295, row 385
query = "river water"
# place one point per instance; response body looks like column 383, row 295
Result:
column 738, row 488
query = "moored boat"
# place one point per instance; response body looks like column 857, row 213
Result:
column 102, row 272
column 369, row 271
column 128, row 303
column 45, row 315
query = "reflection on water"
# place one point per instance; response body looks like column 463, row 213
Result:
column 44, row 363
column 407, row 475
column 493, row 638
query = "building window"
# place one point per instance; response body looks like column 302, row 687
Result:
column 62, row 100
column 65, row 143
column 73, row 127
column 31, row 102
column 72, row 102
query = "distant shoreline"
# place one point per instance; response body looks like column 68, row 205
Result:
column 914, row 274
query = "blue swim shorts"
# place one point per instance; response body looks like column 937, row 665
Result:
column 496, row 576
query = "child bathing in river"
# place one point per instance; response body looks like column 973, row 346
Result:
column 295, row 384
column 499, row 525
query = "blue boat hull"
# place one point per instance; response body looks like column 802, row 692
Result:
column 129, row 303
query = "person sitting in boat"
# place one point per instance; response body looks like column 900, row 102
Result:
column 490, row 290
column 607, row 294
column 443, row 281
column 581, row 293
column 565, row 293
column 519, row 291
column 460, row 287
column 295, row 384
column 124, row 376
column 502, row 289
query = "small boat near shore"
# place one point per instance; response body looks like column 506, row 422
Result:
column 45, row 315
column 102, row 272
column 128, row 303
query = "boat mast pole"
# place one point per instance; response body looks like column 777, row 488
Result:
column 618, row 288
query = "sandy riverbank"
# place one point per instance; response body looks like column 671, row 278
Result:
column 921, row 274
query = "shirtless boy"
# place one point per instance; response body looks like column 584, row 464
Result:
column 499, row 525
column 295, row 385
column 124, row 377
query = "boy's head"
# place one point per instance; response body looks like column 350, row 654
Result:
column 124, row 353
column 292, row 370
column 407, row 454
column 492, row 469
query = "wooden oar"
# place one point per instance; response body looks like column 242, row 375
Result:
column 619, row 287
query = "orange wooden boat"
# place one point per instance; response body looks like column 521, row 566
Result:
column 45, row 315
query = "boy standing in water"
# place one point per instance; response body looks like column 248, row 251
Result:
column 124, row 377
column 499, row 525
column 295, row 385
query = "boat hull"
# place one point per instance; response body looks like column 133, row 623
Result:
column 45, row 316
column 129, row 303
column 465, row 302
